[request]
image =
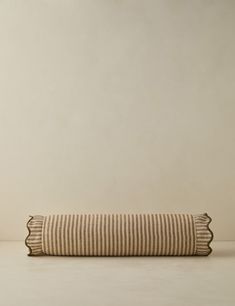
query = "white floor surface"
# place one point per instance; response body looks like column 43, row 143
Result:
column 107, row 281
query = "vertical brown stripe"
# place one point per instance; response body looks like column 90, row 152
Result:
column 88, row 234
column 72, row 235
column 66, row 234
column 78, row 231
column 92, row 235
column 49, row 234
column 46, row 235
column 178, row 234
column 76, row 235
column 167, row 234
column 153, row 227
column 117, row 235
column 101, row 234
column 43, row 235
column 105, row 236
column 129, row 236
column 140, row 228
column 53, row 238
column 182, row 235
column 67, row 240
column 158, row 231
column 54, row 235
column 187, row 235
column 179, row 224
column 93, row 232
column 120, row 236
column 133, row 231
column 161, row 245
column 134, row 236
column 137, row 234
column 81, row 235
column 59, row 236
column 144, row 235
column 85, row 234
column 161, row 224
column 108, row 234
column 124, row 234
column 157, row 247
column 185, row 245
column 171, row 234
column 96, row 235
column 194, row 236
column 86, row 228
column 69, row 236
column 173, row 230
column 149, row 234
column 113, row 235
column 164, row 237
column 62, row 234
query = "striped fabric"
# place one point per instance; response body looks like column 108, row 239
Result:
column 119, row 235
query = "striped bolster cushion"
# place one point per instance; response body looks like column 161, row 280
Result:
column 119, row 235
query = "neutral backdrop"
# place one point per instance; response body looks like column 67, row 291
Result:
column 117, row 106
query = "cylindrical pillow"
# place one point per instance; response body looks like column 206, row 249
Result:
column 119, row 235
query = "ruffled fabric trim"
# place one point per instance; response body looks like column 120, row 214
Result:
column 34, row 239
column 204, row 235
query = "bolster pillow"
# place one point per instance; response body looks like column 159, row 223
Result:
column 119, row 235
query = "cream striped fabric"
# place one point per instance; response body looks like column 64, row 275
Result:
column 119, row 235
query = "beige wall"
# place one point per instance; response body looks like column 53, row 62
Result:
column 117, row 106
